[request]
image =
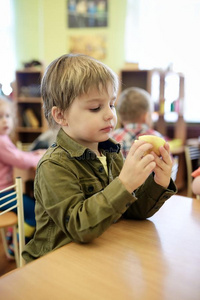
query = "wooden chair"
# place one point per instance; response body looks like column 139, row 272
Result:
column 196, row 183
column 192, row 159
column 13, row 196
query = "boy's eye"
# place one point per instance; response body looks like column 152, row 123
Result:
column 112, row 106
column 95, row 109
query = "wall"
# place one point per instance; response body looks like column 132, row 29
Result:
column 42, row 33
column 26, row 30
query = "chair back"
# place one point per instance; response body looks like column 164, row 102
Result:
column 192, row 159
column 11, row 198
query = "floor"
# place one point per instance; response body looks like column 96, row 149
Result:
column 8, row 265
column 5, row 264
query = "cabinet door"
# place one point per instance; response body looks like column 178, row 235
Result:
column 28, row 83
column 135, row 78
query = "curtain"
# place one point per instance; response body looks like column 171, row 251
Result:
column 7, row 49
column 165, row 34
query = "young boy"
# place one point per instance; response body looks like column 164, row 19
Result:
column 134, row 109
column 83, row 185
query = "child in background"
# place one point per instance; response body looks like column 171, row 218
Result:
column 83, row 185
column 11, row 157
column 134, row 109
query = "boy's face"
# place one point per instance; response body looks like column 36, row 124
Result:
column 6, row 121
column 91, row 117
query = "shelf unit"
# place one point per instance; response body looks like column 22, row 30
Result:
column 167, row 93
column 31, row 120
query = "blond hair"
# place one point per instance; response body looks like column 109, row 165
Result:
column 6, row 101
column 70, row 76
column 132, row 104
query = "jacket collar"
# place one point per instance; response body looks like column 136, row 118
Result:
column 77, row 150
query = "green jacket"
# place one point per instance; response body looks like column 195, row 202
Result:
column 77, row 201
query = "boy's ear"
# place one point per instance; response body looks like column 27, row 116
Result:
column 148, row 119
column 58, row 116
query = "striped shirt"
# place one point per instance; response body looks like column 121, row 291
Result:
column 129, row 133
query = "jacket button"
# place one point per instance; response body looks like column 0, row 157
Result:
column 90, row 188
column 101, row 169
column 53, row 145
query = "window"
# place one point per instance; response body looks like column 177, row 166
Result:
column 7, row 50
column 162, row 34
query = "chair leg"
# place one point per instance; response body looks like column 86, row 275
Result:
column 189, row 193
column 5, row 244
column 15, row 243
column 3, row 235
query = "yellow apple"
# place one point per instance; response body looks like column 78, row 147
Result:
column 156, row 141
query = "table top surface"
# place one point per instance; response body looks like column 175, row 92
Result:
column 158, row 258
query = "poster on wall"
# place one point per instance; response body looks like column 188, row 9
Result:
column 91, row 45
column 87, row 13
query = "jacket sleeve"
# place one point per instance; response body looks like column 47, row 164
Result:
column 11, row 155
column 150, row 198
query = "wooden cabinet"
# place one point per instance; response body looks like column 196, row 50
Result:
column 31, row 120
column 167, row 94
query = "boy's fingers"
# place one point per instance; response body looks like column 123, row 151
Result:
column 167, row 147
column 140, row 147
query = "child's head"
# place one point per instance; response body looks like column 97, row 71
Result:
column 6, row 116
column 134, row 106
column 71, row 76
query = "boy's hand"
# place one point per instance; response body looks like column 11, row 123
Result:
column 137, row 167
column 163, row 167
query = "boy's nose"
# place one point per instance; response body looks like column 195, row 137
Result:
column 108, row 114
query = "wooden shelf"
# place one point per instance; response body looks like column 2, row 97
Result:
column 31, row 70
column 29, row 100
column 31, row 120
column 30, row 129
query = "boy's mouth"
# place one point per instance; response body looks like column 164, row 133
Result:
column 107, row 129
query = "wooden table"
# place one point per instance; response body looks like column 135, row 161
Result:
column 155, row 259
